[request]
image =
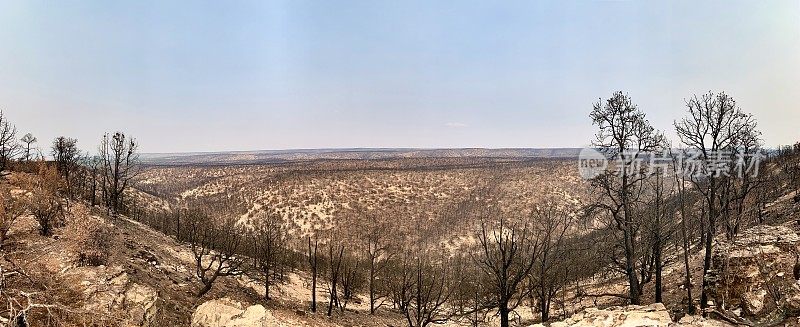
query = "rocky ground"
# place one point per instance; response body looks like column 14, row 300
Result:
column 145, row 280
column 633, row 316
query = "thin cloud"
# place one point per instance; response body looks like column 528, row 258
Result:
column 456, row 125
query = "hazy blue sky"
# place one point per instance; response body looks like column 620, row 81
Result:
column 226, row 75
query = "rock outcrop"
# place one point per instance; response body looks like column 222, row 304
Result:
column 654, row 315
column 141, row 304
column 630, row 316
column 225, row 312
column 699, row 321
column 110, row 291
column 753, row 275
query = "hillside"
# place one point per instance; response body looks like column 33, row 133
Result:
column 318, row 195
column 139, row 277
column 147, row 280
column 103, row 271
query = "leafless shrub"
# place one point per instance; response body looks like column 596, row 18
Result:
column 28, row 139
column 11, row 208
column 352, row 279
column 95, row 249
column 714, row 123
column 43, row 200
column 119, row 161
column 268, row 249
column 8, row 142
column 313, row 264
column 215, row 247
column 67, row 156
column 623, row 133
column 553, row 221
column 421, row 287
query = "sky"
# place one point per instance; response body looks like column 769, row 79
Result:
column 185, row 76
